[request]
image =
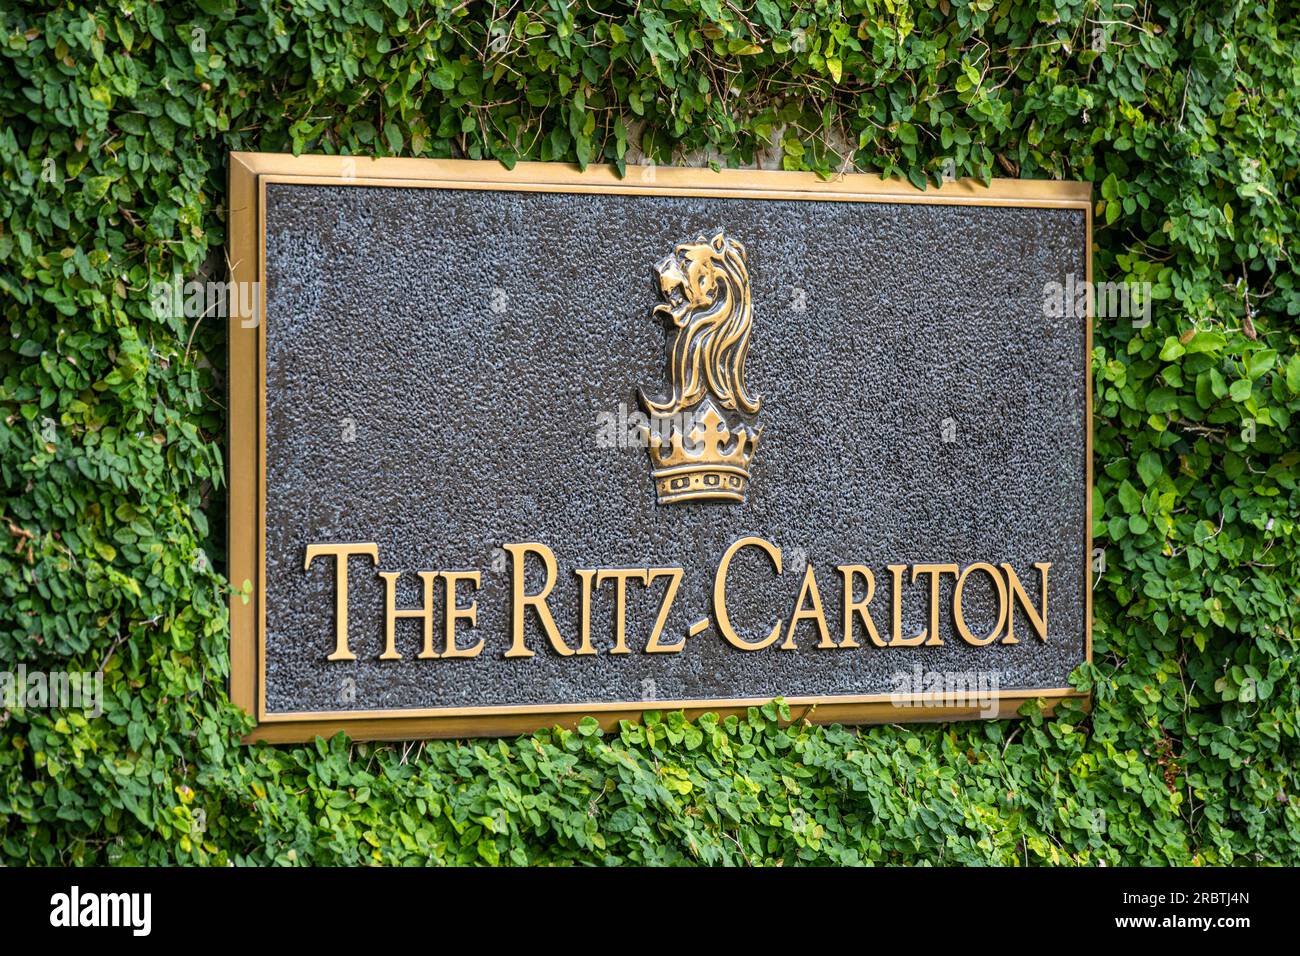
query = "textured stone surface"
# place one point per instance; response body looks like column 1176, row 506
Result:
column 437, row 360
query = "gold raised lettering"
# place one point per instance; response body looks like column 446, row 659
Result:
column 808, row 592
column 1036, row 620
column 720, row 612
column 674, row 575
column 855, row 608
column 521, row 601
column 341, row 553
column 456, row 613
column 392, row 612
column 959, row 618
column 935, row 571
column 620, row 577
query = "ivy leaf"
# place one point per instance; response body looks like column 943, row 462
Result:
column 1129, row 498
column 1149, row 468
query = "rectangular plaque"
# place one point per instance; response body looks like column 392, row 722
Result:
column 513, row 447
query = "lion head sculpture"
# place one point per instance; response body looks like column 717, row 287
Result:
column 705, row 288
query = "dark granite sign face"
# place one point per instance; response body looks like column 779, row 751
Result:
column 514, row 447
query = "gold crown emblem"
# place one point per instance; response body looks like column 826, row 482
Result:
column 711, row 461
column 700, row 439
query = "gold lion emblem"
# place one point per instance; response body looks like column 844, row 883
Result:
column 698, row 450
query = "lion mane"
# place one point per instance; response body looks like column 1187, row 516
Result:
column 704, row 285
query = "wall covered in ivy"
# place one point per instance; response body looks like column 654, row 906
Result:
column 115, row 120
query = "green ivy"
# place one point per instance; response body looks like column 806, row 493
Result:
column 117, row 118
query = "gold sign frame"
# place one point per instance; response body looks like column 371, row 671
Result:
column 249, row 175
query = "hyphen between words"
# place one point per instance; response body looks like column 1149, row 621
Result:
column 805, row 619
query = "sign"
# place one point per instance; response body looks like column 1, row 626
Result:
column 514, row 447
